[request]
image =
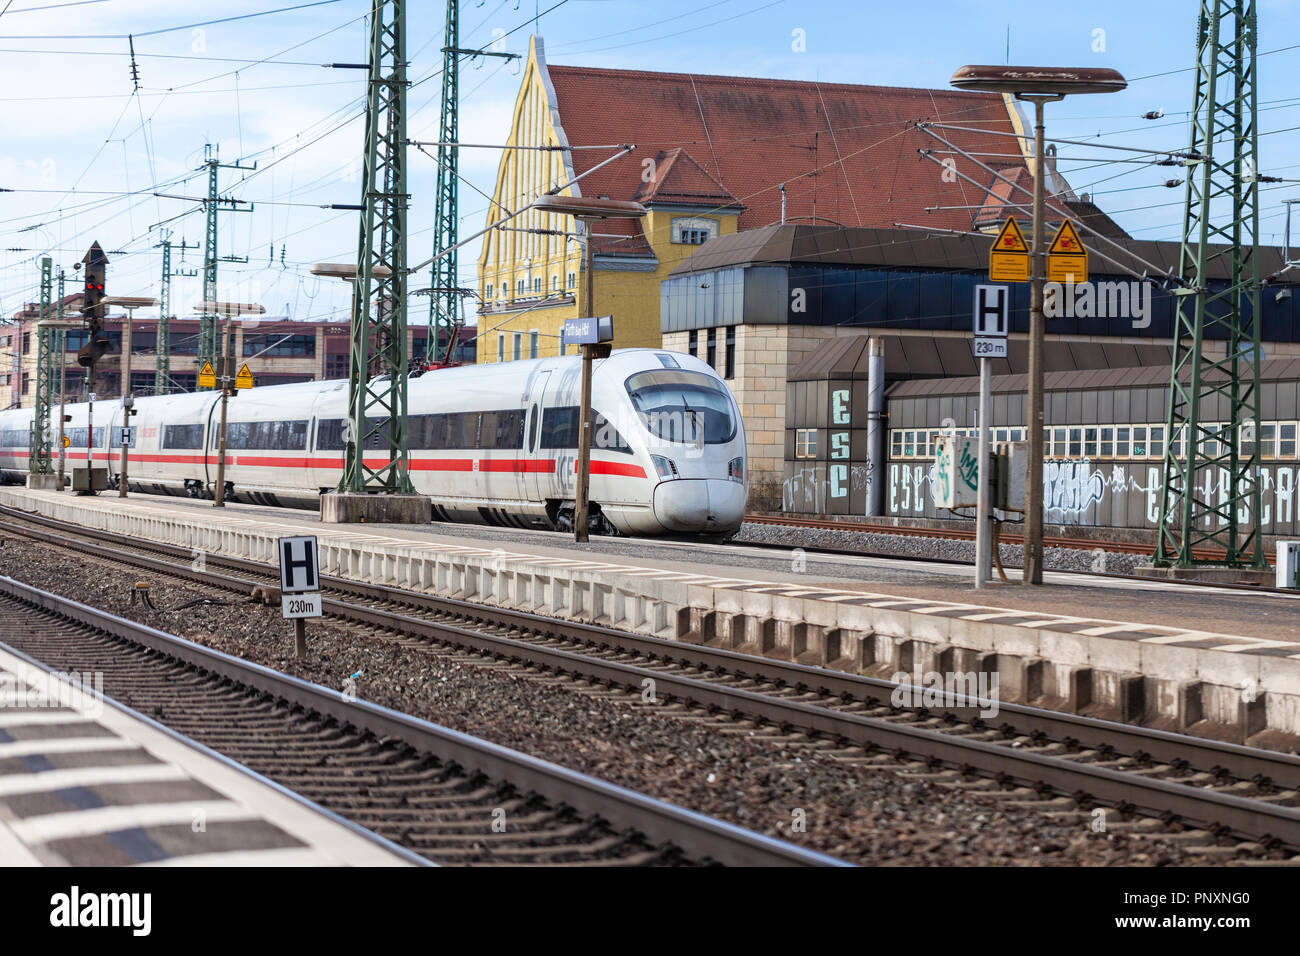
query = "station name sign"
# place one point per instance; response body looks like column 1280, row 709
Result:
column 589, row 330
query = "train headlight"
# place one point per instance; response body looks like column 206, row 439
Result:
column 664, row 466
column 736, row 469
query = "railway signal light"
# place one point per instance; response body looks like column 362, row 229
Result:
column 94, row 350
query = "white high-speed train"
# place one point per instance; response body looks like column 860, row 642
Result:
column 494, row 444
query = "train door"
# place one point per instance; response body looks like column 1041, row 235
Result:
column 537, row 477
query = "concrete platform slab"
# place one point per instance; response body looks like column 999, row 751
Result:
column 86, row 782
column 1079, row 641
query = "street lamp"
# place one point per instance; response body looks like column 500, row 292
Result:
column 229, row 310
column 130, row 303
column 587, row 211
column 1037, row 85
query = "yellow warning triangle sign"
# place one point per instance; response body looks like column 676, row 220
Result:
column 207, row 377
column 1067, row 241
column 1010, row 239
column 245, row 378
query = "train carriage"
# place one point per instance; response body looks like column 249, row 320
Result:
column 494, row 444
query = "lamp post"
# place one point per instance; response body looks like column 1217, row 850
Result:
column 588, row 212
column 226, row 377
column 130, row 303
column 1037, row 85
column 347, row 271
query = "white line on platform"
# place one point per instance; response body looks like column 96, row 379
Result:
column 87, row 777
column 285, row 856
column 64, row 745
column 83, row 823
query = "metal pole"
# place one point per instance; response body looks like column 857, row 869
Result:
column 223, row 377
column 983, row 511
column 584, row 409
column 875, row 427
column 126, row 393
column 1033, row 551
column 61, row 340
column 299, row 637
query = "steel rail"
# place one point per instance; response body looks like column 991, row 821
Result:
column 1242, row 762
column 697, row 834
column 1220, row 812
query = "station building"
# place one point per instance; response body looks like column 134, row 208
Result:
column 791, row 315
column 278, row 351
column 714, row 157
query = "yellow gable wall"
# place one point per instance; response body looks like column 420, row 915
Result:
column 509, row 256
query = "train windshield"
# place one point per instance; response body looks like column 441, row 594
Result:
column 681, row 406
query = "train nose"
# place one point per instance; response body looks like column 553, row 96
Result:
column 712, row 505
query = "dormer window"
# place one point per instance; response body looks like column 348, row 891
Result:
column 693, row 230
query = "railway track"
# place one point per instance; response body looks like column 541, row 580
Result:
column 432, row 790
column 964, row 534
column 1068, row 765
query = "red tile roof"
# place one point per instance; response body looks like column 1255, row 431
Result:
column 846, row 153
column 679, row 180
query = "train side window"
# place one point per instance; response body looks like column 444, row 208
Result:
column 533, row 423
column 329, row 434
column 174, row 436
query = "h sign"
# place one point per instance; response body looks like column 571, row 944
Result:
column 992, row 310
column 299, row 569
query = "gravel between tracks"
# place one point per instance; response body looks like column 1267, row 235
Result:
column 923, row 546
column 869, row 816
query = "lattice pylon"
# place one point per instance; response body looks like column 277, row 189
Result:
column 444, row 302
column 1211, row 492
column 377, row 366
column 39, row 461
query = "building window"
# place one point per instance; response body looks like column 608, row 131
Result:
column 518, row 343
column 729, row 368
column 537, row 283
column 693, row 230
column 573, row 279
column 27, row 342
column 501, row 346
column 26, row 383
column 693, row 341
column 805, row 443
column 555, row 282
column 532, row 344
column 281, row 345
column 519, row 287
column 711, row 348
column 489, row 292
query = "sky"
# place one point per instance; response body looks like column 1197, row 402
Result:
column 83, row 150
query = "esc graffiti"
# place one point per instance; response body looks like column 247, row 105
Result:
column 1074, row 490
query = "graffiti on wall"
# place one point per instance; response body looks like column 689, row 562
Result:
column 1079, row 491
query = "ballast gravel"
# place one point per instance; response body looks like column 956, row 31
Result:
column 864, row 814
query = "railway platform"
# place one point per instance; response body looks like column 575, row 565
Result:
column 1200, row 659
column 86, row 782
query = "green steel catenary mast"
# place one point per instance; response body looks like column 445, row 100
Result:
column 1211, row 492
column 377, row 367
column 39, row 461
